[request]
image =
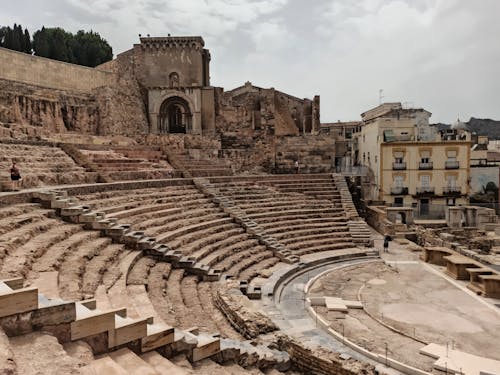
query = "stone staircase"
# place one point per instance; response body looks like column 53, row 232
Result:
column 125, row 361
column 361, row 233
column 345, row 197
column 228, row 206
column 193, row 167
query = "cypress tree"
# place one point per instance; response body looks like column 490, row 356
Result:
column 17, row 39
column 41, row 43
column 8, row 38
column 3, row 31
column 27, row 42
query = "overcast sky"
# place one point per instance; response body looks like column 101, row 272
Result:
column 443, row 55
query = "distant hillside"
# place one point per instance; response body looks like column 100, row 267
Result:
column 488, row 127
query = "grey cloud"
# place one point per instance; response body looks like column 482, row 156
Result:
column 441, row 54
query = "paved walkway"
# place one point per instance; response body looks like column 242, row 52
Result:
column 291, row 316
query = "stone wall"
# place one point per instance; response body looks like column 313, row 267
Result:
column 376, row 217
column 248, row 109
column 275, row 154
column 239, row 312
column 315, row 154
column 123, row 104
column 53, row 110
column 171, row 62
column 39, row 71
column 322, row 362
column 100, row 106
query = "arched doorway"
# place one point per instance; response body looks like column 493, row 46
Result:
column 175, row 116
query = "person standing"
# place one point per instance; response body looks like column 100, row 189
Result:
column 387, row 239
column 297, row 167
column 15, row 176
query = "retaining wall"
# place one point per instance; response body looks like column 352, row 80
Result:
column 40, row 71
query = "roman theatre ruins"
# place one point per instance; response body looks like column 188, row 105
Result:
column 162, row 228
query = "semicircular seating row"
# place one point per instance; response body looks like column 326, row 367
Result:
column 179, row 216
column 81, row 265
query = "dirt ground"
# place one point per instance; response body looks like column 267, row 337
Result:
column 414, row 299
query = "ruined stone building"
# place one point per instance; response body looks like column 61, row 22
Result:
column 174, row 75
column 249, row 108
column 161, row 88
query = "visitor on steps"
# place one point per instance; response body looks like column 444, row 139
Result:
column 15, row 176
column 297, row 167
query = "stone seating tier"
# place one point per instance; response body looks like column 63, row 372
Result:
column 126, row 164
column 275, row 213
column 193, row 225
column 103, row 329
column 41, row 165
column 194, row 167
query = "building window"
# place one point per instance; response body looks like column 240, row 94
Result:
column 398, row 181
column 452, row 162
column 425, row 160
column 425, row 185
column 399, row 163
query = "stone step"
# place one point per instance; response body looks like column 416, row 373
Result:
column 134, row 364
column 104, row 365
column 162, row 365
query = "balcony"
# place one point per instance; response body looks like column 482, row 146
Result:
column 399, row 166
column 425, row 191
column 426, row 166
column 452, row 164
column 399, row 190
column 452, row 190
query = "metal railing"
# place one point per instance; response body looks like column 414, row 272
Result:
column 452, row 164
column 399, row 166
column 428, row 165
column 425, row 190
column 452, row 190
column 350, row 170
column 399, row 190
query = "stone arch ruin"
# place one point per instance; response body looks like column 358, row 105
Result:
column 175, row 116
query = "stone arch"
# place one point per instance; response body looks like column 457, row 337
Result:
column 175, row 115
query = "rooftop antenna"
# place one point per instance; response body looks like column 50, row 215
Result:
column 380, row 95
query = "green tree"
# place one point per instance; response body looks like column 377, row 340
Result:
column 27, row 42
column 41, row 43
column 91, row 49
column 3, row 32
column 16, row 39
